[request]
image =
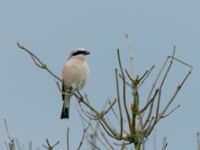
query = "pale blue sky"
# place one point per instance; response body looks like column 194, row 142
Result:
column 29, row 98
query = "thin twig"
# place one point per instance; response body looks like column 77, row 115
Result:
column 83, row 135
column 149, row 115
column 127, row 83
column 49, row 146
column 175, row 93
column 68, row 139
column 110, row 131
column 124, row 92
column 154, row 140
column 7, row 131
column 30, row 145
column 149, row 102
column 96, row 147
column 11, row 143
column 146, row 76
column 173, row 110
column 119, row 103
column 164, row 146
column 18, row 144
column 102, row 120
column 198, row 140
column 107, row 141
column 114, row 113
column 109, row 108
column 94, row 130
column 100, row 115
column 157, row 117
column 161, row 85
column 162, row 113
column 38, row 62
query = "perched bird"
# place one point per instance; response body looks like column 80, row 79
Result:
column 74, row 75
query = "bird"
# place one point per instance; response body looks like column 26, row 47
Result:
column 74, row 75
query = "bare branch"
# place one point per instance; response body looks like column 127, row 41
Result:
column 173, row 110
column 154, row 140
column 114, row 112
column 94, row 135
column 30, row 145
column 84, row 132
column 198, row 140
column 129, row 76
column 11, row 143
column 96, row 147
column 161, row 85
column 149, row 102
column 109, row 108
column 164, row 146
column 49, row 146
column 18, row 144
column 119, row 103
column 102, row 121
column 124, row 92
column 146, row 75
column 68, row 138
column 7, row 131
column 38, row 62
column 107, row 141
column 175, row 93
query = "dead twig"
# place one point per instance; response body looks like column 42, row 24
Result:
column 38, row 62
column 198, row 140
column 83, row 135
column 11, row 143
column 164, row 146
column 124, row 93
column 68, row 138
column 49, row 146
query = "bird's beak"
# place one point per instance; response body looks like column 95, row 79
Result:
column 87, row 53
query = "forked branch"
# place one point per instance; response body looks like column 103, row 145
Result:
column 48, row 146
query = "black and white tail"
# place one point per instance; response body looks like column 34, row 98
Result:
column 66, row 104
column 65, row 108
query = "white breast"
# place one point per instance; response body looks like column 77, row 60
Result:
column 75, row 73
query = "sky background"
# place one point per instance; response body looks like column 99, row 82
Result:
column 29, row 98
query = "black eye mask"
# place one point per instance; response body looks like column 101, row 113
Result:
column 80, row 52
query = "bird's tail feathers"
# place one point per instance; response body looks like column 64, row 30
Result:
column 65, row 108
